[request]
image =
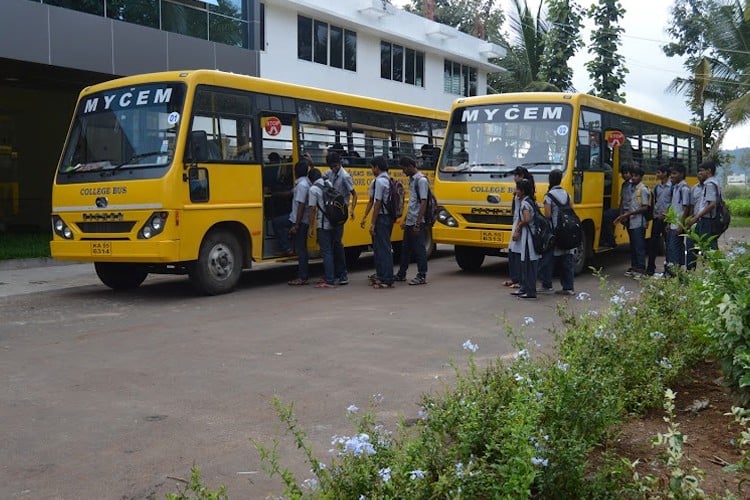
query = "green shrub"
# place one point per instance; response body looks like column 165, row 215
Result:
column 735, row 192
column 739, row 208
column 24, row 245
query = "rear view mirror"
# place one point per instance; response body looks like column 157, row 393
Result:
column 197, row 147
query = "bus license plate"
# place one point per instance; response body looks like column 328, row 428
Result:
column 101, row 248
column 492, row 236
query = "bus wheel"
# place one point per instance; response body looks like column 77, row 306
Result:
column 351, row 255
column 469, row 258
column 581, row 254
column 120, row 276
column 429, row 243
column 219, row 264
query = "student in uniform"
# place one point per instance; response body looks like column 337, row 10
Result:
column 662, row 198
column 381, row 225
column 522, row 234
column 676, row 255
column 556, row 258
column 633, row 217
column 413, row 224
column 342, row 182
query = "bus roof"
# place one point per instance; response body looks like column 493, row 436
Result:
column 251, row 83
column 579, row 99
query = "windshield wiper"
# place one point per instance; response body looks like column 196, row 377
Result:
column 538, row 163
column 138, row 157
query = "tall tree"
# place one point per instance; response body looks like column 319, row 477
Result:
column 524, row 52
column 481, row 18
column 565, row 18
column 607, row 69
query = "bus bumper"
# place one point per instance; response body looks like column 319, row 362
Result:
column 141, row 251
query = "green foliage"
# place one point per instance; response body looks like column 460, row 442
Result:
column 740, row 208
column 24, row 245
column 607, row 69
column 196, row 490
column 563, row 39
column 725, row 307
column 733, row 192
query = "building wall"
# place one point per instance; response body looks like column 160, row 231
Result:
column 278, row 60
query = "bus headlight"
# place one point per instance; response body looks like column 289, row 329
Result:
column 60, row 228
column 154, row 226
column 444, row 217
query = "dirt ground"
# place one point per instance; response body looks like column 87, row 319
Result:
column 710, row 434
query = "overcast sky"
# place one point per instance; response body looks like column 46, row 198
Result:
column 645, row 22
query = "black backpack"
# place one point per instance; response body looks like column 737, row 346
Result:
column 430, row 212
column 395, row 202
column 334, row 206
column 568, row 231
column 720, row 223
column 542, row 235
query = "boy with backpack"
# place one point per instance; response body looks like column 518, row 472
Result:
column 320, row 226
column 414, row 223
column 342, row 182
column 676, row 255
column 635, row 218
column 554, row 201
column 705, row 212
column 661, row 200
column 381, row 224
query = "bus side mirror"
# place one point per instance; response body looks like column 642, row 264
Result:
column 197, row 147
column 583, row 157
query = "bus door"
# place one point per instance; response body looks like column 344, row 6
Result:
column 592, row 175
column 279, row 154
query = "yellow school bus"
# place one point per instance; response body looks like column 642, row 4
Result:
column 586, row 137
column 183, row 172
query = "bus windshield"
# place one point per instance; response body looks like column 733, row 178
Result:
column 497, row 138
column 123, row 129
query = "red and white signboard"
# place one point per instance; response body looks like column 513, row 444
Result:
column 614, row 138
column 272, row 125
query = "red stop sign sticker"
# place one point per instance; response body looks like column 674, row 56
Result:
column 614, row 138
column 273, row 125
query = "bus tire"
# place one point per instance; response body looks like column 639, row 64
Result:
column 120, row 276
column 469, row 259
column 219, row 264
column 582, row 253
column 351, row 256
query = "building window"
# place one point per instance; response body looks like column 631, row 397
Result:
column 323, row 43
column 459, row 79
column 401, row 64
column 262, row 26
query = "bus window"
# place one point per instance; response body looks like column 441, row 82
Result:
column 225, row 117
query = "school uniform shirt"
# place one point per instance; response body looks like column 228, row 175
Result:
column 382, row 191
column 515, row 245
column 710, row 194
column 418, row 191
column 640, row 198
column 316, row 200
column 526, row 243
column 680, row 200
column 662, row 198
column 562, row 197
column 341, row 181
column 696, row 198
column 626, row 196
column 301, row 194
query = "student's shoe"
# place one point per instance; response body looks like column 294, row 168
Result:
column 547, row 290
column 419, row 280
column 379, row 285
column 287, row 253
column 565, row 292
column 372, row 278
column 344, row 280
column 516, row 292
column 526, row 296
column 629, row 273
column 399, row 278
column 325, row 285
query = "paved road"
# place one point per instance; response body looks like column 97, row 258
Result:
column 108, row 395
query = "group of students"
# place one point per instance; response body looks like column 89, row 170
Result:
column 307, row 219
column 694, row 206
column 525, row 264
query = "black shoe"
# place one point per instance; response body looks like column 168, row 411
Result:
column 526, row 296
column 517, row 293
column 399, row 278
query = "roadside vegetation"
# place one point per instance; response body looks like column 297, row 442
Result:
column 537, row 426
column 24, row 245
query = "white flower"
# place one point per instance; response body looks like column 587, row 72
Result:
column 459, row 470
column 664, row 363
column 562, row 366
column 378, row 398
column 583, row 296
column 416, row 474
column 352, row 409
column 469, row 346
column 539, row 461
column 385, row 474
column 657, row 335
column 310, row 483
column 362, row 497
column 523, row 354
column 423, row 413
column 528, row 320
column 356, row 445
column 617, row 300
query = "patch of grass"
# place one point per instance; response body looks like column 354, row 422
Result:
column 24, row 245
column 740, row 221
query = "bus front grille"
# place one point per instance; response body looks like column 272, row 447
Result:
column 505, row 220
column 105, row 227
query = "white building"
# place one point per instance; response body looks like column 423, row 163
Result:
column 437, row 63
